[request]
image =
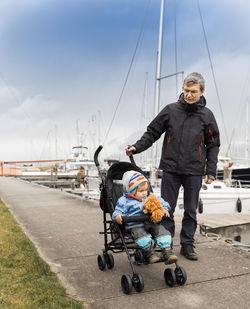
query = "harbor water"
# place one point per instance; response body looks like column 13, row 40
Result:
column 238, row 233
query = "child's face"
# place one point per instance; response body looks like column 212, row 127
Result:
column 142, row 191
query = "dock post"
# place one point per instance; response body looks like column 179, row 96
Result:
column 1, row 164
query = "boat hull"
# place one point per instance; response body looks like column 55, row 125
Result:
column 217, row 198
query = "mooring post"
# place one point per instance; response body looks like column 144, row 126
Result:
column 1, row 164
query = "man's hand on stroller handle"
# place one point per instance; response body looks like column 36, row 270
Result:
column 129, row 150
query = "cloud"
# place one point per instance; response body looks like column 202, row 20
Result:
column 39, row 127
column 25, row 126
column 36, row 112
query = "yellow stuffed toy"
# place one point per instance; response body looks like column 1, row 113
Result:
column 153, row 206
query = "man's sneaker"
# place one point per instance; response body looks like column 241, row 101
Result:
column 169, row 257
column 188, row 252
column 152, row 256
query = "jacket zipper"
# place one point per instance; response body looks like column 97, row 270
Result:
column 179, row 146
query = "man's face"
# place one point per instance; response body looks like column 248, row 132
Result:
column 192, row 93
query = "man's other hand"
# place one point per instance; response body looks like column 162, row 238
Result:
column 208, row 180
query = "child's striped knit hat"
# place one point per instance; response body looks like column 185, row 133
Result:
column 131, row 181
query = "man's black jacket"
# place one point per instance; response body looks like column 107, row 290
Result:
column 191, row 142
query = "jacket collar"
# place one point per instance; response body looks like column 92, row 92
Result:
column 192, row 107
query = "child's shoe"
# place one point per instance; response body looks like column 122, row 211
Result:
column 152, row 256
column 168, row 256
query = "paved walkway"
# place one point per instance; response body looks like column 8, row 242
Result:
column 66, row 232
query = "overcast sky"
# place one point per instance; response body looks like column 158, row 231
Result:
column 63, row 65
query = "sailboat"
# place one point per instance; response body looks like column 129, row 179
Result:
column 217, row 198
column 238, row 172
column 238, row 168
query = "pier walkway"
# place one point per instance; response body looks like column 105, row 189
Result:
column 65, row 230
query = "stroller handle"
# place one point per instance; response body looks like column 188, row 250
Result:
column 131, row 158
column 97, row 164
column 96, row 155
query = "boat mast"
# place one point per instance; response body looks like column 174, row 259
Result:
column 77, row 133
column 56, row 141
column 247, row 128
column 158, row 80
column 159, row 60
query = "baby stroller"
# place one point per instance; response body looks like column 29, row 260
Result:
column 117, row 238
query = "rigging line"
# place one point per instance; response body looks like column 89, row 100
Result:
column 212, row 69
column 175, row 50
column 239, row 119
column 143, row 106
column 129, row 70
column 47, row 138
column 244, row 93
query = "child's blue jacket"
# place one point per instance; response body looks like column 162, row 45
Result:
column 129, row 206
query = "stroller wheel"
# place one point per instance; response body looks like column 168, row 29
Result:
column 109, row 260
column 101, row 261
column 126, row 284
column 181, row 276
column 169, row 276
column 138, row 282
column 139, row 258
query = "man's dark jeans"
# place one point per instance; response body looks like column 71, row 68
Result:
column 169, row 191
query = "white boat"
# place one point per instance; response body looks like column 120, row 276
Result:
column 235, row 171
column 69, row 168
column 217, row 198
column 79, row 158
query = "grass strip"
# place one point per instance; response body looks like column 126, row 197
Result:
column 26, row 281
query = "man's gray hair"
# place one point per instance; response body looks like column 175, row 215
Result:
column 195, row 78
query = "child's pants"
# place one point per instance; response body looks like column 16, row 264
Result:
column 143, row 235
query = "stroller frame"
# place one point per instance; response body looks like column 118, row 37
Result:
column 120, row 240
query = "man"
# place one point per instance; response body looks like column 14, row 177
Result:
column 190, row 149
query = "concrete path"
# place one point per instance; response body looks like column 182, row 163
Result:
column 66, row 230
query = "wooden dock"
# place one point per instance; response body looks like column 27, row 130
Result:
column 219, row 220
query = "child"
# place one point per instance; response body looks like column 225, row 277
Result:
column 136, row 188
